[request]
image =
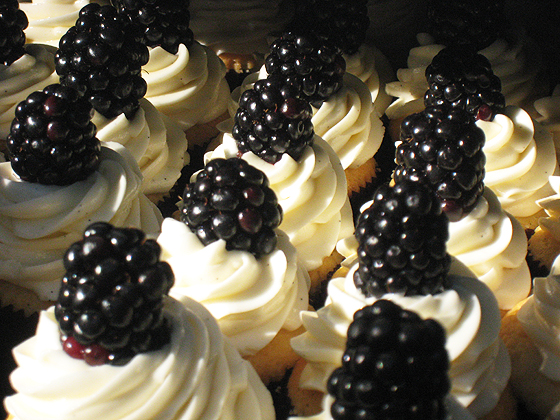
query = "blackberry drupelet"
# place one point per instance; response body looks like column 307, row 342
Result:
column 12, row 38
column 445, row 147
column 52, row 139
column 271, row 120
column 110, row 305
column 315, row 66
column 466, row 22
column 395, row 366
column 101, row 58
column 343, row 22
column 231, row 200
column 402, row 242
column 162, row 23
column 459, row 77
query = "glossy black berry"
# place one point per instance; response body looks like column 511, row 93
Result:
column 402, row 238
column 395, row 366
column 162, row 23
column 231, row 200
column 52, row 139
column 314, row 65
column 270, row 121
column 110, row 302
column 458, row 77
column 101, row 57
column 12, row 38
column 445, row 147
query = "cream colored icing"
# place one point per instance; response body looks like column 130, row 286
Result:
column 520, row 156
column 39, row 222
column 158, row 144
column 198, row 375
column 551, row 205
column 493, row 244
column 31, row 72
column 548, row 114
column 468, row 311
column 540, row 318
column 49, row 20
column 313, row 195
column 189, row 87
column 238, row 26
column 514, row 62
column 252, row 299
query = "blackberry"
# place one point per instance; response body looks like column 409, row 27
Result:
column 445, row 147
column 12, row 38
column 101, row 59
column 52, row 139
column 395, row 366
column 271, row 120
column 461, row 78
column 343, row 22
column 315, row 66
column 231, row 200
column 466, row 22
column 110, row 302
column 162, row 23
column 402, row 242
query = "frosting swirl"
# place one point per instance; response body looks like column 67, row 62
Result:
column 197, row 375
column 158, row 144
column 189, row 87
column 312, row 193
column 39, row 222
column 493, row 244
column 520, row 156
column 548, row 109
column 480, row 366
column 252, row 299
column 31, row 72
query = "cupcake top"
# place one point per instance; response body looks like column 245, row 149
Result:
column 551, row 206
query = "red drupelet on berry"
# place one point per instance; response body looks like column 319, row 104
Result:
column 12, row 38
column 102, row 59
column 52, row 139
column 315, row 66
column 231, row 200
column 110, row 305
column 271, row 120
column 459, row 77
column 445, row 147
column 395, row 366
column 402, row 238
column 162, row 23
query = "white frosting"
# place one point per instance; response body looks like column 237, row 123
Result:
column 551, row 205
column 189, row 87
column 31, row 72
column 468, row 311
column 49, row 20
column 158, row 144
column 540, row 317
column 520, row 156
column 238, row 26
column 39, row 222
column 312, row 192
column 252, row 299
column 548, row 109
column 198, row 375
column 493, row 244
column 515, row 63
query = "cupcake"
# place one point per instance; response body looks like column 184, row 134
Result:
column 529, row 331
column 395, row 234
column 228, row 255
column 397, row 365
column 116, row 346
column 58, row 180
column 23, row 68
column 302, row 168
column 186, row 80
column 113, row 84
